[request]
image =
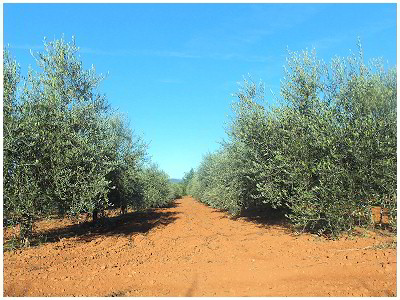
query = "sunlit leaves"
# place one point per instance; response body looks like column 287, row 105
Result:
column 65, row 149
column 324, row 156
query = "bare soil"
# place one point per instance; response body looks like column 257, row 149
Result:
column 190, row 249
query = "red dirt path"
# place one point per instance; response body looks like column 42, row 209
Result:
column 194, row 250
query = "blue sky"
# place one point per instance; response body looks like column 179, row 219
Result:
column 174, row 67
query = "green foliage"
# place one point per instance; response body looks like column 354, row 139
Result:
column 154, row 188
column 129, row 153
column 65, row 150
column 67, row 126
column 177, row 190
column 217, row 181
column 186, row 179
column 20, row 193
column 324, row 156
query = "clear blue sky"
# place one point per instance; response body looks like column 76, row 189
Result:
column 174, row 67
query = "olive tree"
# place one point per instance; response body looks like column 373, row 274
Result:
column 154, row 188
column 20, row 192
column 58, row 139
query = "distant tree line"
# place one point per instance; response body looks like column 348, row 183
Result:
column 322, row 158
column 66, row 151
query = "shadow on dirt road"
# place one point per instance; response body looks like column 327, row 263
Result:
column 264, row 218
column 126, row 224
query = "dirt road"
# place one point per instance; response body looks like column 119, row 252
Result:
column 193, row 250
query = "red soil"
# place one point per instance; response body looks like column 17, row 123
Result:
column 193, row 250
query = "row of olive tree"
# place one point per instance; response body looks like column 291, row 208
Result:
column 65, row 150
column 324, row 156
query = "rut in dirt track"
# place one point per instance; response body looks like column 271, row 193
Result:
column 190, row 249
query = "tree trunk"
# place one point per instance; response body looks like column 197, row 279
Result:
column 123, row 209
column 95, row 216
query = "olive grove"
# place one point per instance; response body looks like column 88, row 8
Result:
column 323, row 157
